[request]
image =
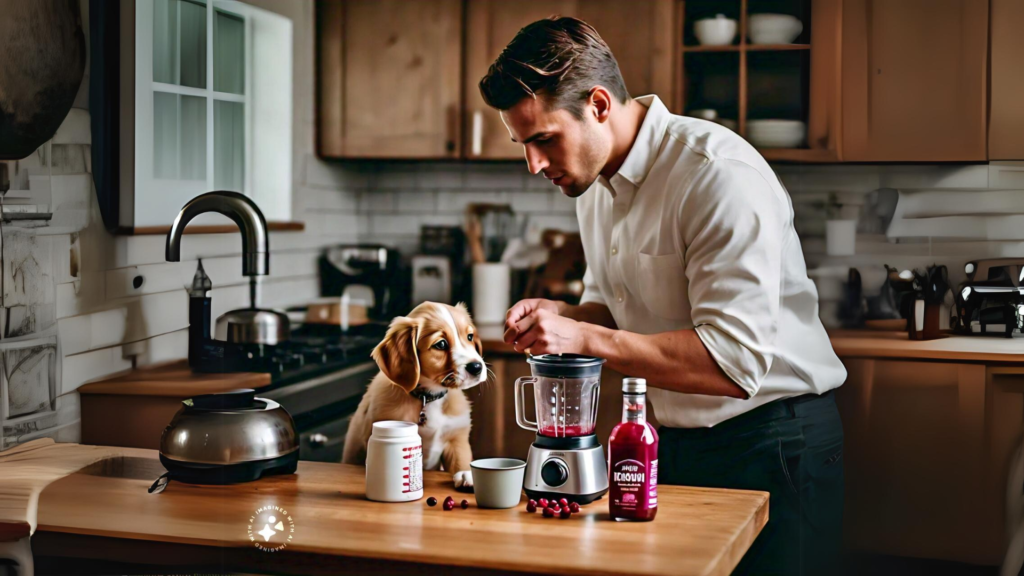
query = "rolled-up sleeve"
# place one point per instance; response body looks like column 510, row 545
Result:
column 591, row 291
column 732, row 224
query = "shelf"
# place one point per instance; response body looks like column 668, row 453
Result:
column 808, row 155
column 747, row 48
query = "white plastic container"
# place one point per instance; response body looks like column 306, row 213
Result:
column 394, row 462
column 492, row 286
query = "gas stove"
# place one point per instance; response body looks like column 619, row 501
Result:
column 308, row 351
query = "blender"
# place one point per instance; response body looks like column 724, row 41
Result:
column 565, row 459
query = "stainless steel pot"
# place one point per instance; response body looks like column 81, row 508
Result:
column 252, row 326
column 227, row 438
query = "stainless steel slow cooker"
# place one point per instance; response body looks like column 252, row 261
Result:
column 227, row 438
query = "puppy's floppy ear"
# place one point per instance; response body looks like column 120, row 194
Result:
column 397, row 356
column 477, row 342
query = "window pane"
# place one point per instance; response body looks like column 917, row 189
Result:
column 193, row 138
column 228, row 53
column 193, row 44
column 165, row 41
column 229, row 145
column 165, row 135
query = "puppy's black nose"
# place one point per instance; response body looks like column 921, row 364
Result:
column 474, row 368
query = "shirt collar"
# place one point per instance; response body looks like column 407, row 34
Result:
column 644, row 152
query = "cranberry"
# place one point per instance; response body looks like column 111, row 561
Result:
column 531, row 507
column 449, row 499
column 574, row 507
column 431, row 501
column 543, row 502
column 465, row 504
column 449, row 504
column 534, row 502
column 556, row 508
column 564, row 502
column 549, row 513
column 565, row 513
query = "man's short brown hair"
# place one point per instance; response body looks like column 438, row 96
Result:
column 561, row 59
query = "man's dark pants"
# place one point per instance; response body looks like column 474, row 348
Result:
column 791, row 448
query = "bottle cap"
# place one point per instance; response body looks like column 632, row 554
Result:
column 394, row 429
column 634, row 385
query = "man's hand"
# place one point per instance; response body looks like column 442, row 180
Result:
column 545, row 332
column 521, row 310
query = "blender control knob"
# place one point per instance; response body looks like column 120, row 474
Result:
column 554, row 472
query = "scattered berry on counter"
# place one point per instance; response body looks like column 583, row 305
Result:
column 449, row 504
column 431, row 501
column 534, row 502
column 449, row 499
column 543, row 502
column 531, row 506
column 574, row 507
column 465, row 504
column 549, row 513
column 565, row 513
column 564, row 502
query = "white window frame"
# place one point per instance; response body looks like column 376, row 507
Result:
column 157, row 200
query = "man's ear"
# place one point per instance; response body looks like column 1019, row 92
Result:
column 601, row 103
column 397, row 356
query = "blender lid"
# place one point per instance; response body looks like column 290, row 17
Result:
column 565, row 365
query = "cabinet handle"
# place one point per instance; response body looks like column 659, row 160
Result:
column 478, row 133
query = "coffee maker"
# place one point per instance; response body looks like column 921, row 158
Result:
column 372, row 265
column 565, row 460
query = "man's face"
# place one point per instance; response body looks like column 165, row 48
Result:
column 569, row 152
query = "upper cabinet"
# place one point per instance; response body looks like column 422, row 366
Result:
column 389, row 78
column 393, row 79
column 803, row 80
column 639, row 33
column 1006, row 121
column 915, row 80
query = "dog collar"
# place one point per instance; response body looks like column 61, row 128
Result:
column 427, row 398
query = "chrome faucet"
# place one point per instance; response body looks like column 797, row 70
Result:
column 251, row 325
column 245, row 213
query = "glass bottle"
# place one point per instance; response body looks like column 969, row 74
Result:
column 633, row 458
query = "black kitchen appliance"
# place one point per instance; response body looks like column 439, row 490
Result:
column 372, row 265
column 991, row 299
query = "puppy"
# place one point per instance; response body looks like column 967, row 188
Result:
column 431, row 355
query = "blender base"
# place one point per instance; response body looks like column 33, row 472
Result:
column 573, row 468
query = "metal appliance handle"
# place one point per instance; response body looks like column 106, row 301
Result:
column 595, row 397
column 521, row 404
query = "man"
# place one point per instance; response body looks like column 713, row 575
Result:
column 695, row 281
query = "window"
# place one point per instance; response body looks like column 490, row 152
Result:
column 213, row 106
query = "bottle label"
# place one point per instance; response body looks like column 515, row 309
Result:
column 634, row 484
column 412, row 469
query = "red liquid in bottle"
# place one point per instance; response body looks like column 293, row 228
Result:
column 633, row 462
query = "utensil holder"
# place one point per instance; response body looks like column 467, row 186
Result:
column 491, row 289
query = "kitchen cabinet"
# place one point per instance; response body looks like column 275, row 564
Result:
column 640, row 34
column 1006, row 121
column 389, row 74
column 395, row 80
column 931, row 451
column 743, row 81
column 914, row 80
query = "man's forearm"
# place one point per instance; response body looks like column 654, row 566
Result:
column 591, row 313
column 676, row 361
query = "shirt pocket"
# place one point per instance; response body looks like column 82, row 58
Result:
column 663, row 286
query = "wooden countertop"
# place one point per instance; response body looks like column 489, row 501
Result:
column 869, row 344
column 174, row 379
column 105, row 512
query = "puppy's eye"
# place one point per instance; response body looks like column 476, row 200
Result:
column 469, row 337
column 440, row 345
